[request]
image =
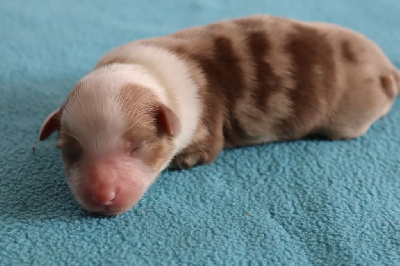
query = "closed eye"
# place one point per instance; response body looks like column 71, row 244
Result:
column 137, row 148
column 70, row 147
column 72, row 155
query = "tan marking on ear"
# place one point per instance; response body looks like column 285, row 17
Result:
column 168, row 119
column 140, row 108
column 162, row 152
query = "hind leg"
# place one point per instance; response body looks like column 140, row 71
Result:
column 345, row 132
column 351, row 127
column 359, row 109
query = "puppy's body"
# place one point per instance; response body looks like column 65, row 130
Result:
column 181, row 98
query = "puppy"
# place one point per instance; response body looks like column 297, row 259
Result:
column 178, row 100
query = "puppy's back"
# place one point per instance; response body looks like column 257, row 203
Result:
column 264, row 78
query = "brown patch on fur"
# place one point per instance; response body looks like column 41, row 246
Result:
column 225, row 78
column 223, row 67
column 267, row 82
column 239, row 80
column 208, row 140
column 314, row 74
column 224, row 85
column 156, row 152
column 218, row 71
column 347, row 52
column 141, row 113
column 139, row 107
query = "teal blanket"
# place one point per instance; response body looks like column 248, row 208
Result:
column 309, row 202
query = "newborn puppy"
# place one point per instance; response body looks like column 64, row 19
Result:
column 178, row 100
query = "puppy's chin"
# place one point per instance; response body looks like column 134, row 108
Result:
column 110, row 186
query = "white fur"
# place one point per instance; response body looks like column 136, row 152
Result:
column 84, row 115
column 177, row 90
column 98, row 99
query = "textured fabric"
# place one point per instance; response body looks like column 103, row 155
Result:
column 304, row 202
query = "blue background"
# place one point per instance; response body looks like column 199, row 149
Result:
column 304, row 202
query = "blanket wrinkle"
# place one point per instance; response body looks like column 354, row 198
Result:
column 291, row 235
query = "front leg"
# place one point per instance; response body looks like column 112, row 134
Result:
column 207, row 144
column 197, row 154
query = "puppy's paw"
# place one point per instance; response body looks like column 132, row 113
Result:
column 188, row 159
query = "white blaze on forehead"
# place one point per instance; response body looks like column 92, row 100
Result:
column 94, row 115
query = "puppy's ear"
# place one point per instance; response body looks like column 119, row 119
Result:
column 168, row 121
column 51, row 124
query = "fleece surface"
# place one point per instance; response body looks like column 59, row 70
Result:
column 302, row 203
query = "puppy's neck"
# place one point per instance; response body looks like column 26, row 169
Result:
column 169, row 78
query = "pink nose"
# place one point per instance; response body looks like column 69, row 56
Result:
column 101, row 186
column 103, row 197
column 109, row 186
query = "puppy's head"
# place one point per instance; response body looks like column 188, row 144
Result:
column 116, row 135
